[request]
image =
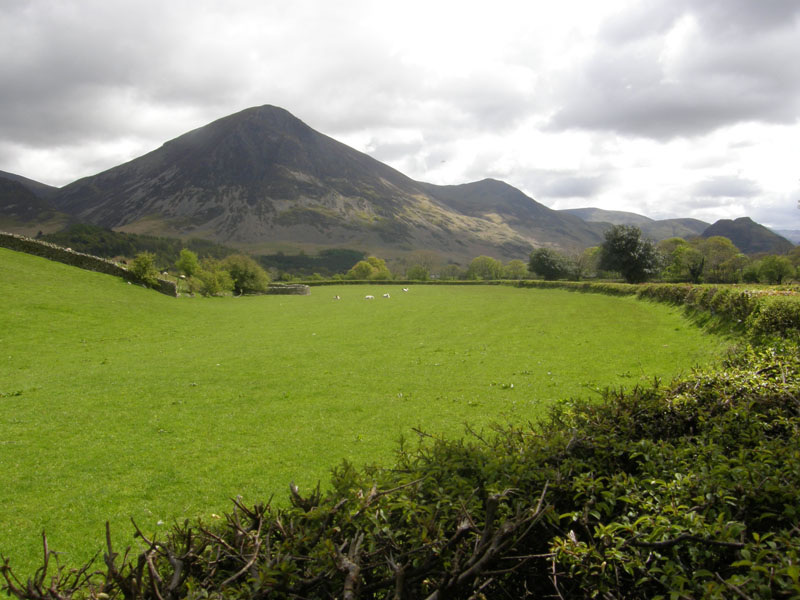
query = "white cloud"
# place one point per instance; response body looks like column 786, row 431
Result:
column 640, row 106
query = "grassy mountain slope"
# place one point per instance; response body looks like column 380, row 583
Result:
column 749, row 236
column 262, row 177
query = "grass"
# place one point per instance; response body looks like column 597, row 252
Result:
column 117, row 402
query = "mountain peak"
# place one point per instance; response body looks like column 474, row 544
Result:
column 262, row 177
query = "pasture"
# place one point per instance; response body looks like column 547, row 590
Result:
column 117, row 402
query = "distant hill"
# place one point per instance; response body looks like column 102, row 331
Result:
column 667, row 228
column 656, row 230
column 499, row 202
column 749, row 236
column 793, row 235
column 41, row 190
column 264, row 179
column 615, row 217
column 23, row 210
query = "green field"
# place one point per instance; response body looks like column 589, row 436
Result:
column 118, row 402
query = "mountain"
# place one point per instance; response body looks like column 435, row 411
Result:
column 41, row 190
column 793, row 235
column 25, row 207
column 655, row 230
column 615, row 217
column 499, row 202
column 262, row 178
column 749, row 236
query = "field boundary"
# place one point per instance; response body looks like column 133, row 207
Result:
column 761, row 311
column 20, row 243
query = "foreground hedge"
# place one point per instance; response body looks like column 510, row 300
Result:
column 763, row 312
column 680, row 491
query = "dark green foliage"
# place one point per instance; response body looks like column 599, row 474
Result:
column 326, row 262
column 212, row 279
column 774, row 269
column 98, row 241
column 248, row 277
column 626, row 252
column 687, row 490
column 779, row 317
column 188, row 263
column 418, row 273
column 550, row 264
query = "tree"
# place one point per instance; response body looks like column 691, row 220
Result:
column 212, row 279
column 450, row 272
column 417, row 272
column 144, row 267
column 550, row 264
column 774, row 269
column 626, row 252
column 246, row 273
column 683, row 262
column 721, row 258
column 187, row 263
column 515, row 269
column 380, row 270
column 370, row 268
column 587, row 263
column 485, row 267
column 361, row 270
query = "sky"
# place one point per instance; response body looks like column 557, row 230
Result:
column 666, row 108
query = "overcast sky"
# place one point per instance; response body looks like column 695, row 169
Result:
column 667, row 108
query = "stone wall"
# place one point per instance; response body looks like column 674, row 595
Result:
column 290, row 289
column 67, row 256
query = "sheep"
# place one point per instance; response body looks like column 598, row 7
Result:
column 368, row 297
column 336, row 298
column 405, row 289
column 386, row 296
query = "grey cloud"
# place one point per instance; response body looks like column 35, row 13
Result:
column 726, row 187
column 557, row 184
column 740, row 67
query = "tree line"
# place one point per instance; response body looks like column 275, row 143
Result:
column 626, row 253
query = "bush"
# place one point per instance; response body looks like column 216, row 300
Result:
column 247, row 275
column 144, row 267
column 188, row 264
column 212, row 279
column 779, row 317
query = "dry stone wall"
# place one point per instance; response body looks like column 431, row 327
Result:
column 67, row 256
column 289, row 289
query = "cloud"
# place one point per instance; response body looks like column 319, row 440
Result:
column 556, row 185
column 669, row 69
column 726, row 187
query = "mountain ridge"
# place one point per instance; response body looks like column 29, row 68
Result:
column 263, row 180
column 263, row 175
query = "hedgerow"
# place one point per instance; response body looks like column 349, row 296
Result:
column 668, row 491
column 763, row 312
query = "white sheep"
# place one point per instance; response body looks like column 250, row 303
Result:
column 386, row 296
column 369, row 297
column 405, row 289
column 336, row 298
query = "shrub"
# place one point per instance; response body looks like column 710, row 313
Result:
column 144, row 267
column 246, row 274
column 188, row 264
column 778, row 317
column 212, row 279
